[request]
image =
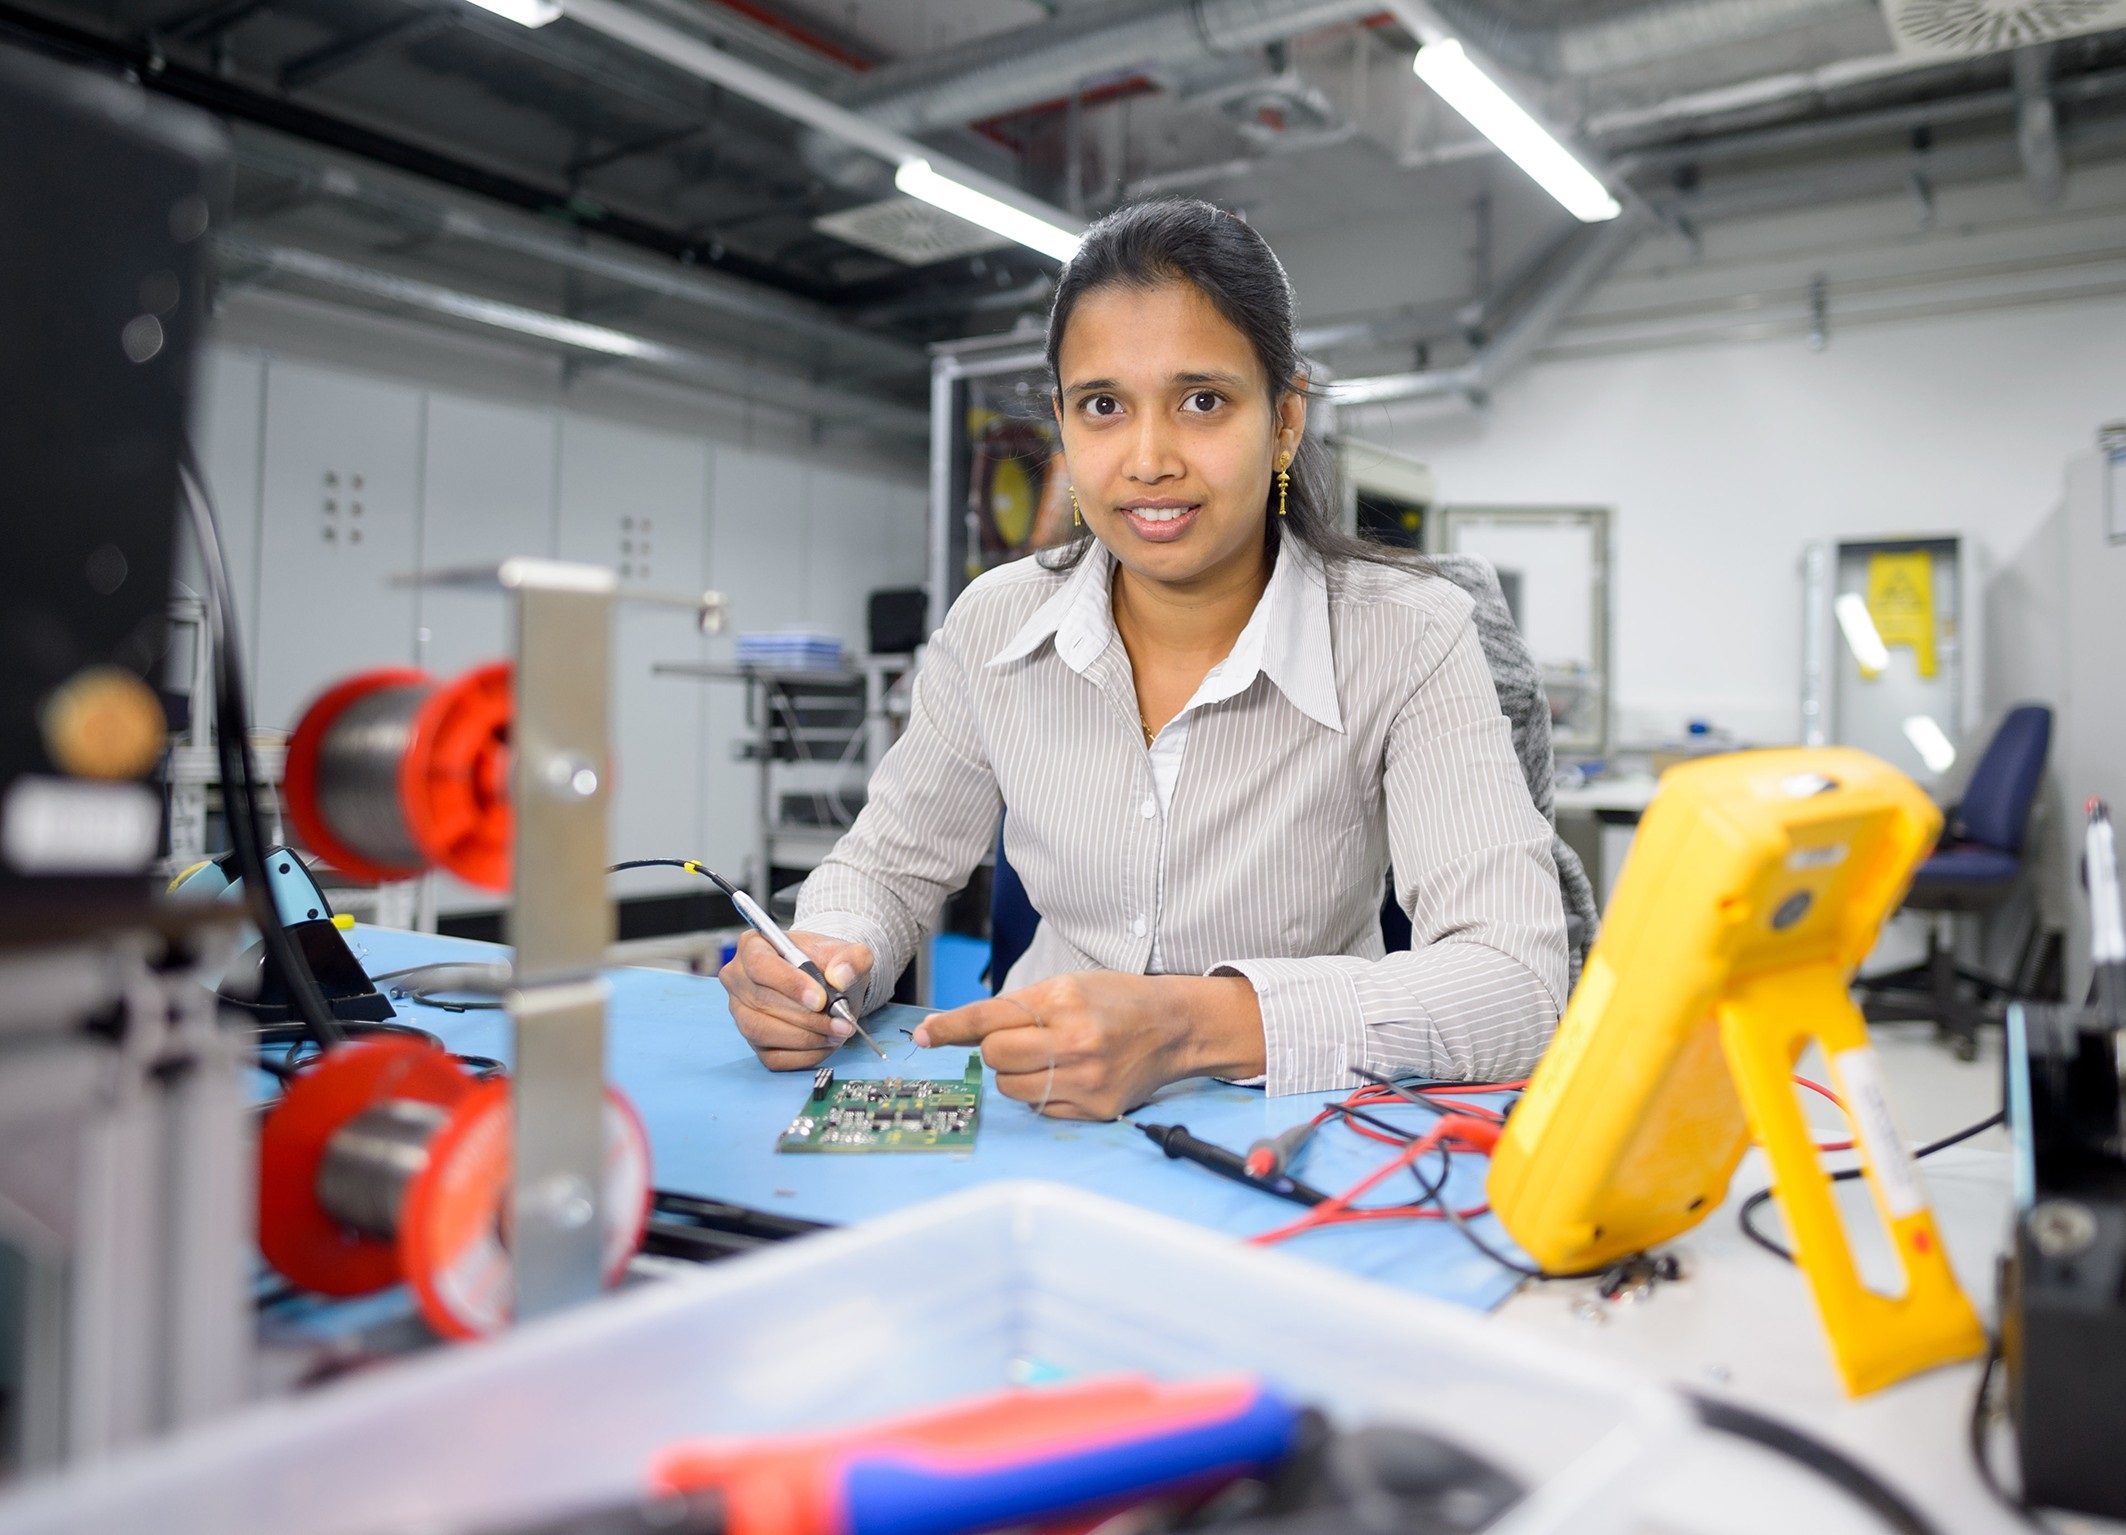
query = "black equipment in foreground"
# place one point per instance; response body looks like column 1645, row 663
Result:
column 2063, row 1284
column 102, row 291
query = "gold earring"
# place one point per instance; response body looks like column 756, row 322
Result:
column 1077, row 513
column 1284, row 480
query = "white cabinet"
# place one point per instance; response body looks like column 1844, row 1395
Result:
column 637, row 501
column 340, row 499
column 487, row 492
column 863, row 533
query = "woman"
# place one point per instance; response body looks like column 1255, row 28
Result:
column 1216, row 721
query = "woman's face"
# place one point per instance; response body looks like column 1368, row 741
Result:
column 1170, row 433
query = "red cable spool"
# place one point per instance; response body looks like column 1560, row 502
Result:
column 386, row 1163
column 392, row 773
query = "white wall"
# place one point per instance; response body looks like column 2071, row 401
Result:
column 1722, row 461
column 468, row 454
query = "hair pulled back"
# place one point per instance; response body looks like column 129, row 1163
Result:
column 1187, row 240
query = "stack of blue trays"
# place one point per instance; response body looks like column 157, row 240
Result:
column 791, row 650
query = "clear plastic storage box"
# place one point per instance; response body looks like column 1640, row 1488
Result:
column 960, row 1296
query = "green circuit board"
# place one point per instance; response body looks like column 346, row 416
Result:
column 888, row 1113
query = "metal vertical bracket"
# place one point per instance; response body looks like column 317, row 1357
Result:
column 560, row 924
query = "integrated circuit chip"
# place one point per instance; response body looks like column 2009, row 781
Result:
column 888, row 1113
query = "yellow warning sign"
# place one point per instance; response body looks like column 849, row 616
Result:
column 1901, row 601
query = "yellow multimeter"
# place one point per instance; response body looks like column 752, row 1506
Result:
column 1756, row 885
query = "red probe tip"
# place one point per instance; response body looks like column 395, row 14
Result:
column 1259, row 1163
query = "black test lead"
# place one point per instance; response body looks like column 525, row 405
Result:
column 1176, row 1142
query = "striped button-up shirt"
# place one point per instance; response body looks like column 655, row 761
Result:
column 1353, row 726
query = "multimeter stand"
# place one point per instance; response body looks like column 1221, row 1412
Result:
column 1757, row 884
column 1766, row 1021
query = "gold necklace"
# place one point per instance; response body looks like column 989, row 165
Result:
column 1149, row 733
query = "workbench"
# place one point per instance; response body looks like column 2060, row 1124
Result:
column 1739, row 1322
column 713, row 1114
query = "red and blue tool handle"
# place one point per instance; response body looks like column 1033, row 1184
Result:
column 1000, row 1460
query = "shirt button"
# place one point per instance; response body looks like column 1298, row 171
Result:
column 1138, row 927
column 1148, row 809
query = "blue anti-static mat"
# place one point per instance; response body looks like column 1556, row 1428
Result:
column 714, row 1114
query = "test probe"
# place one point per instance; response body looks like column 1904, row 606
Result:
column 1177, row 1143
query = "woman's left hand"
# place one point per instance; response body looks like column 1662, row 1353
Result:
column 1096, row 1043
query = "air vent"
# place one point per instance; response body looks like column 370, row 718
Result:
column 1962, row 28
column 909, row 230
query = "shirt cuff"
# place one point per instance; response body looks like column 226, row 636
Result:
column 852, row 927
column 1313, row 1028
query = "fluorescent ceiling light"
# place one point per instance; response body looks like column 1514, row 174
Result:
column 1861, row 636
column 917, row 179
column 525, row 13
column 1523, row 140
column 1932, row 744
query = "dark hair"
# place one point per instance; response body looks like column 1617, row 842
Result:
column 1176, row 239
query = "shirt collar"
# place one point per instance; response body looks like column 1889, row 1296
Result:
column 1286, row 638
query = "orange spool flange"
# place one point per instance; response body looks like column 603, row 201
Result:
column 449, row 1219
column 452, row 1230
column 391, row 773
column 298, row 1235
column 454, row 777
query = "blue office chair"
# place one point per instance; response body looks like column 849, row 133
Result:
column 1977, row 866
column 1012, row 918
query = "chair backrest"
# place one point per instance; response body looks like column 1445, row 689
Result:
column 1012, row 918
column 1527, row 709
column 1996, row 803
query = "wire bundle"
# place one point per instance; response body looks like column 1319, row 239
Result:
column 1461, row 1126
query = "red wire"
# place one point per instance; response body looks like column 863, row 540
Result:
column 1478, row 1131
column 1822, row 1091
column 1471, row 1134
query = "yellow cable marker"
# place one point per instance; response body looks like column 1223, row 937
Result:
column 1755, row 887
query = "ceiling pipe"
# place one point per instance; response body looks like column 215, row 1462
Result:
column 1629, row 39
column 1007, row 71
column 2037, row 132
column 1000, row 72
column 728, row 297
column 647, row 35
column 734, row 377
column 1599, row 248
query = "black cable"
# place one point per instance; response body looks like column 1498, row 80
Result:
column 1833, row 1465
column 1454, row 1219
column 1758, row 1200
column 477, row 1005
column 691, row 865
column 1981, row 1415
column 239, row 783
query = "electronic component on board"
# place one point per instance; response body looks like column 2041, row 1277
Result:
column 888, row 1113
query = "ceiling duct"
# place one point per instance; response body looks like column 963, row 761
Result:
column 1587, row 257
column 1625, row 40
column 1005, row 71
column 246, row 261
column 1008, row 71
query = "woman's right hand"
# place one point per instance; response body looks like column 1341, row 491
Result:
column 777, row 1007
